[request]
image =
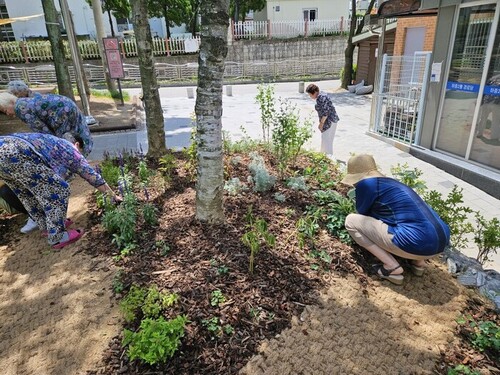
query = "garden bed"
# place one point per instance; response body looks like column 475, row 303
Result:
column 191, row 259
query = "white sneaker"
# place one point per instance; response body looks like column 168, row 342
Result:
column 30, row 226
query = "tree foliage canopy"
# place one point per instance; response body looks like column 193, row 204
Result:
column 175, row 12
column 119, row 8
column 239, row 8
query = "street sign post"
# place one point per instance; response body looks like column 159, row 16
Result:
column 114, row 60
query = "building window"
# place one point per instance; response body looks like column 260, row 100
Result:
column 6, row 32
column 310, row 14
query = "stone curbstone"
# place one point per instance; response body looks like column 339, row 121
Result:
column 469, row 272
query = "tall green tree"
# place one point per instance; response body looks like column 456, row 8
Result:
column 349, row 51
column 193, row 16
column 239, row 8
column 208, row 109
column 175, row 12
column 56, row 44
column 151, row 96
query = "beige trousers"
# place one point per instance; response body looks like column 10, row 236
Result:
column 366, row 231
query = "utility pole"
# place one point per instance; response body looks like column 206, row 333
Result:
column 99, row 27
column 75, row 55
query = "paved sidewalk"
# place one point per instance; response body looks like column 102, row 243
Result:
column 242, row 112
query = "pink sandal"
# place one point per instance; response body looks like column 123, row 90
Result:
column 74, row 235
column 67, row 223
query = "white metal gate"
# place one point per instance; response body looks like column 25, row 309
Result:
column 399, row 99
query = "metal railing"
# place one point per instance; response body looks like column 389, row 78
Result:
column 40, row 51
column 45, row 74
column 399, row 99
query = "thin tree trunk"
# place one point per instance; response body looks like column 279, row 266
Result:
column 167, row 26
column 154, row 113
column 213, row 51
column 56, row 44
column 110, row 19
column 349, row 51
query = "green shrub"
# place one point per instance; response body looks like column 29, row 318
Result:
column 288, row 136
column 110, row 172
column 156, row 340
column 454, row 213
column 265, row 98
column 410, row 177
column 487, row 237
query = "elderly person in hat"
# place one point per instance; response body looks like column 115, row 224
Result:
column 35, row 166
column 392, row 220
column 49, row 113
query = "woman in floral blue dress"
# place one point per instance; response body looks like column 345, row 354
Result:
column 50, row 114
column 35, row 166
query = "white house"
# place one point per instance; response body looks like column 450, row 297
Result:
column 83, row 18
column 292, row 10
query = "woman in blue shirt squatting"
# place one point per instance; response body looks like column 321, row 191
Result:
column 35, row 166
column 392, row 219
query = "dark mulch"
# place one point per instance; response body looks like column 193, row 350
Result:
column 463, row 352
column 257, row 306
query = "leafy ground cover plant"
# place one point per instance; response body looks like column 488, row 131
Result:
column 156, row 340
column 261, row 178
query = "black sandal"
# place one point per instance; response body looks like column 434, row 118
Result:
column 387, row 274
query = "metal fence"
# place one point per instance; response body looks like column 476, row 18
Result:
column 40, row 51
column 399, row 99
column 45, row 74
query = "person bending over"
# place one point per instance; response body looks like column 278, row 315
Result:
column 392, row 220
column 35, row 166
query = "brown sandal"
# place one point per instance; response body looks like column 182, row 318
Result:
column 387, row 274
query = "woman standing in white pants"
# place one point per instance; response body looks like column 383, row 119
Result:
column 328, row 118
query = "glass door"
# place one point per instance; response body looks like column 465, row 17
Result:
column 464, row 78
column 486, row 141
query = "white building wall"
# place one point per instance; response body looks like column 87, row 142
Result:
column 290, row 10
column 83, row 19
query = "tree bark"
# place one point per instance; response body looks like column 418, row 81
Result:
column 208, row 109
column 56, row 44
column 349, row 51
column 152, row 104
column 167, row 26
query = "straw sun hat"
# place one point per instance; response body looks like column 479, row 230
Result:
column 360, row 167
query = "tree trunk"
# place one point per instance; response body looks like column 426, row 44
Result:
column 152, row 104
column 110, row 19
column 99, row 27
column 56, row 44
column 208, row 109
column 167, row 26
column 349, row 51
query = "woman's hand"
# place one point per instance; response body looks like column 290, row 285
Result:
column 320, row 127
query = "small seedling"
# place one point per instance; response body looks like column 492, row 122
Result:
column 216, row 298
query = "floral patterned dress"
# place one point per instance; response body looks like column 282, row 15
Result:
column 54, row 114
column 34, row 166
